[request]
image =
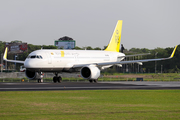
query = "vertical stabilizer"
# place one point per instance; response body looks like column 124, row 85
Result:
column 114, row 43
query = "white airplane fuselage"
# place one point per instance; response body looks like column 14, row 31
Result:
column 54, row 60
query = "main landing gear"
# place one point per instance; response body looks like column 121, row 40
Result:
column 57, row 78
column 91, row 80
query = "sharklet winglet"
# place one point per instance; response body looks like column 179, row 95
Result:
column 173, row 52
column 5, row 54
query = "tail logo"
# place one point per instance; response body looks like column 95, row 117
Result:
column 117, row 32
column 117, row 37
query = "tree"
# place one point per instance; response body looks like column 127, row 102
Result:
column 77, row 48
column 104, row 47
column 89, row 48
column 138, row 50
column 97, row 48
column 49, row 47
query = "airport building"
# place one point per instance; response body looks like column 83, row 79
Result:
column 65, row 43
column 16, row 47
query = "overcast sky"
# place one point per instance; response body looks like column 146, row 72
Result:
column 146, row 23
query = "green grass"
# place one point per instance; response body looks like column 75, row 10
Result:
column 90, row 104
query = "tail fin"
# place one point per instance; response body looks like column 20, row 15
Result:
column 114, row 44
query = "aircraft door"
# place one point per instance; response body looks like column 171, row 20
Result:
column 76, row 57
column 49, row 58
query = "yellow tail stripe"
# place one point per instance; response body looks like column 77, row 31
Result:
column 114, row 43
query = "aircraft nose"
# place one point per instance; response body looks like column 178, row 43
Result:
column 29, row 64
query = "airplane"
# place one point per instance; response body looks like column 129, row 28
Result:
column 88, row 62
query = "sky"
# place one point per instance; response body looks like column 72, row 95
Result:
column 146, row 23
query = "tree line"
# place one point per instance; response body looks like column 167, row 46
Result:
column 167, row 66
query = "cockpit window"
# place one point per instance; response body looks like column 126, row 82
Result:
column 35, row 56
column 40, row 57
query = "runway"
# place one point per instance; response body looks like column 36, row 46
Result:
column 125, row 85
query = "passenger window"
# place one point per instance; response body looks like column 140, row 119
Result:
column 40, row 57
column 37, row 57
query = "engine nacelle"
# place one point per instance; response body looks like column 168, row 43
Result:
column 33, row 75
column 90, row 72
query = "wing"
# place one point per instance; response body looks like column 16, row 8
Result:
column 127, row 62
column 5, row 58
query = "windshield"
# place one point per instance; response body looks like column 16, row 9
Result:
column 35, row 56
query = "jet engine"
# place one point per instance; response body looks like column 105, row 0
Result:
column 33, row 75
column 90, row 72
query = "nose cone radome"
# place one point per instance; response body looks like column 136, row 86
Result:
column 29, row 64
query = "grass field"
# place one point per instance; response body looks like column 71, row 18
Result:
column 90, row 104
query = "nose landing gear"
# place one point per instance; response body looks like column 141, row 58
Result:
column 40, row 80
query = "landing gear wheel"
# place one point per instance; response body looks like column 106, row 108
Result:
column 96, row 80
column 55, row 79
column 59, row 79
column 90, row 81
column 93, row 80
column 40, row 80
